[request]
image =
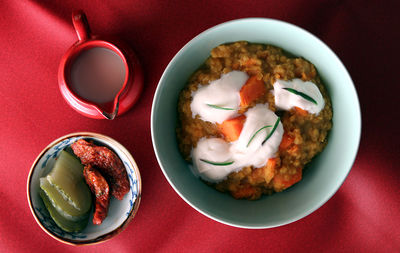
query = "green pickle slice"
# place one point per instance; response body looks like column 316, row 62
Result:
column 67, row 178
column 65, row 193
column 61, row 221
column 62, row 205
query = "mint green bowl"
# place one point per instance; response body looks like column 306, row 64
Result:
column 323, row 176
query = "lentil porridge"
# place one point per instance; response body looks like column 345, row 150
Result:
column 294, row 135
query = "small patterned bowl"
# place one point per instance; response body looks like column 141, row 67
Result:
column 120, row 213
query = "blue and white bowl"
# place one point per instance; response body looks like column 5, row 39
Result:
column 120, row 212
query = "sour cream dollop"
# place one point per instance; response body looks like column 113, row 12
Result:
column 214, row 150
column 222, row 93
column 286, row 100
column 248, row 150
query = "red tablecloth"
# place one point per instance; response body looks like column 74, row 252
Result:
column 363, row 216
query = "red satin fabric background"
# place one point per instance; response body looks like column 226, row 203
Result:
column 363, row 216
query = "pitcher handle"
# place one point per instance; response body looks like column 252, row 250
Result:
column 81, row 25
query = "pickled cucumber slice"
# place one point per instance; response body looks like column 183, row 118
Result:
column 63, row 206
column 62, row 222
column 67, row 178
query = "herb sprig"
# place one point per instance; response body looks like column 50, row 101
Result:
column 273, row 130
column 301, row 94
column 217, row 163
column 254, row 135
column 220, row 107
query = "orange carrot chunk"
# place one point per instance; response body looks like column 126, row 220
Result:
column 251, row 91
column 250, row 62
column 286, row 142
column 271, row 163
column 263, row 174
column 270, row 169
column 300, row 111
column 283, row 181
column 231, row 128
column 246, row 192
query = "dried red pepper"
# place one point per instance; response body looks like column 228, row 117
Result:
column 99, row 187
column 108, row 164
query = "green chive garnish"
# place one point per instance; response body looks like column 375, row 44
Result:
column 220, row 108
column 216, row 163
column 273, row 130
column 301, row 94
column 254, row 135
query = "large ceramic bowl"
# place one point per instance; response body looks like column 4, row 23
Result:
column 120, row 213
column 325, row 173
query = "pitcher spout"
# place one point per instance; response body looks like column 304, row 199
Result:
column 111, row 115
column 110, row 110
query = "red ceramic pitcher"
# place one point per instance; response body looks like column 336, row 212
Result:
column 131, row 88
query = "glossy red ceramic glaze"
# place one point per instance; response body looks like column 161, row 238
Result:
column 133, row 84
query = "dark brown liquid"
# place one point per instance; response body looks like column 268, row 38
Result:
column 97, row 75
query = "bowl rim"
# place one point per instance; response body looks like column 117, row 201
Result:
column 110, row 234
column 205, row 33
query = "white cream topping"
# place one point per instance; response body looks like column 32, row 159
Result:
column 214, row 158
column 286, row 100
column 213, row 150
column 255, row 153
column 224, row 93
column 240, row 152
